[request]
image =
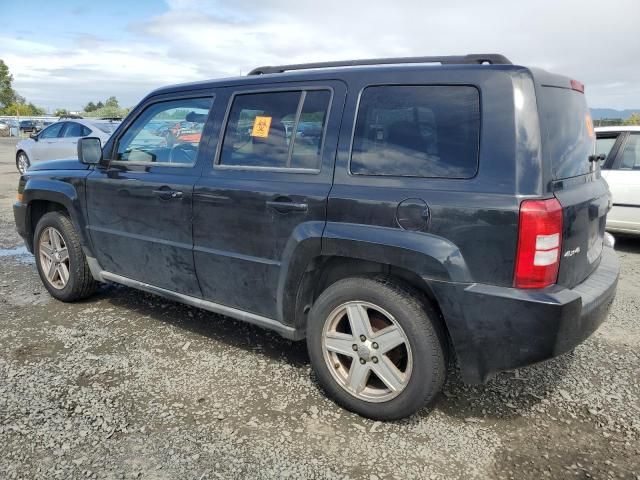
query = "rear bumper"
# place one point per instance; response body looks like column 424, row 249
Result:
column 499, row 328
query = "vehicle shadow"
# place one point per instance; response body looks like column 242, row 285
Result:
column 506, row 396
column 627, row 243
column 218, row 327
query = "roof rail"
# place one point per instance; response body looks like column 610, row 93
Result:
column 476, row 58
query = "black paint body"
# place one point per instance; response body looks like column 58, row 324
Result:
column 226, row 240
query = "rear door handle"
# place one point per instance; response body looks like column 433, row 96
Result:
column 167, row 194
column 283, row 206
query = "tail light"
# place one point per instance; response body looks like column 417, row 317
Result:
column 577, row 86
column 539, row 239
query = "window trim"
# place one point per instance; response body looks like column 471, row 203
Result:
column 116, row 143
column 302, row 89
column 355, row 120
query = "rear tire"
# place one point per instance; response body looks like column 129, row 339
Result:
column 393, row 370
column 60, row 260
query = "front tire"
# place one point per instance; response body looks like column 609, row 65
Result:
column 376, row 347
column 22, row 162
column 60, row 260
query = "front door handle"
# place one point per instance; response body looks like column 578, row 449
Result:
column 167, row 194
column 284, row 206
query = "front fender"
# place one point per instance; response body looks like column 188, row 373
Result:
column 67, row 191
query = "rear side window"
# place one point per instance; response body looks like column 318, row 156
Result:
column 631, row 153
column 75, row 129
column 417, row 131
column 276, row 130
column 569, row 131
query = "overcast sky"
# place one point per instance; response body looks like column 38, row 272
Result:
column 64, row 54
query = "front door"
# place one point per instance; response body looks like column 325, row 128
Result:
column 140, row 208
column 46, row 146
column 266, row 190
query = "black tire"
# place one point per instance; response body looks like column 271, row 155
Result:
column 26, row 158
column 421, row 325
column 81, row 283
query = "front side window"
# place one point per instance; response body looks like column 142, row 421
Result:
column 276, row 129
column 166, row 132
column 631, row 153
column 417, row 131
column 52, row 131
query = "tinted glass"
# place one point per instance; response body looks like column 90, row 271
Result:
column 417, row 131
column 569, row 131
column 52, row 131
column 260, row 130
column 631, row 153
column 166, row 132
column 73, row 129
column 310, row 130
column 85, row 131
column 605, row 144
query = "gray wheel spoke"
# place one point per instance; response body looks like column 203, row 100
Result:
column 359, row 320
column 63, row 273
column 358, row 376
column 47, row 251
column 389, row 338
column 55, row 239
column 340, row 343
column 64, row 254
column 51, row 271
column 386, row 371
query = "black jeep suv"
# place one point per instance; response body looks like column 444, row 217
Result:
column 396, row 213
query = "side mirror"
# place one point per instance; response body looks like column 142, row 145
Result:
column 34, row 136
column 89, row 150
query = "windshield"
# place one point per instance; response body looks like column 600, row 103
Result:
column 570, row 138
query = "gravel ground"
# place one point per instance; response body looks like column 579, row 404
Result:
column 127, row 385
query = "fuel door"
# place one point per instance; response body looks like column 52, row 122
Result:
column 413, row 214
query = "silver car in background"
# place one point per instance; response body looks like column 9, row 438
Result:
column 60, row 140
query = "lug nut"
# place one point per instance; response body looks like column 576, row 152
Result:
column 355, row 347
column 374, row 345
column 362, row 338
column 374, row 359
column 337, row 365
column 362, row 361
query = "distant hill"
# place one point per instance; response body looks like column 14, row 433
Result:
column 602, row 113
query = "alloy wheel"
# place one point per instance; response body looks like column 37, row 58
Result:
column 367, row 351
column 23, row 163
column 54, row 258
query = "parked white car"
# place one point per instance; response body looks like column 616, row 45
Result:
column 621, row 169
column 60, row 140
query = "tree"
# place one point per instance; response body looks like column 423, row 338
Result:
column 111, row 102
column 7, row 94
column 61, row 112
column 99, row 105
column 634, row 119
column 90, row 107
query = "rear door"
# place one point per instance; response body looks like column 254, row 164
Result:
column 623, row 177
column 568, row 142
column 67, row 147
column 266, row 190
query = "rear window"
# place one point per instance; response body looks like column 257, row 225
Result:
column 570, row 138
column 417, row 131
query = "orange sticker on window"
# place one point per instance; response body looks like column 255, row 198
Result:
column 589, row 122
column 261, row 127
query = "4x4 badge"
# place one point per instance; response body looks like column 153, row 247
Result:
column 571, row 253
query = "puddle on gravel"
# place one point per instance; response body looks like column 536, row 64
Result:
column 20, row 253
